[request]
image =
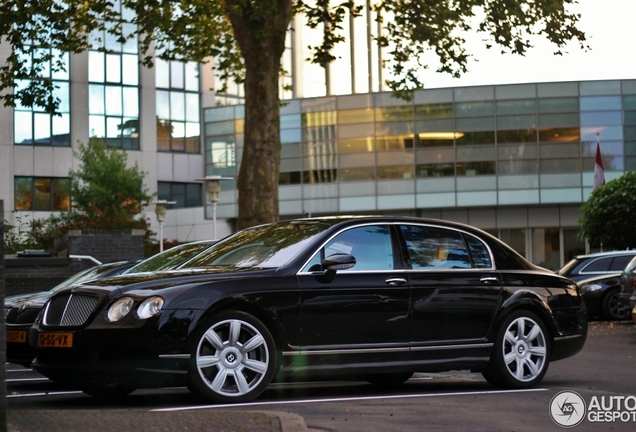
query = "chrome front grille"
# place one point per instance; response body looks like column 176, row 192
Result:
column 70, row 310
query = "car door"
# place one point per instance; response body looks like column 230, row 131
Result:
column 364, row 307
column 455, row 290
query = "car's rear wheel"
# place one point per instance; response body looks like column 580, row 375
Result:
column 520, row 353
column 387, row 379
column 610, row 307
column 233, row 358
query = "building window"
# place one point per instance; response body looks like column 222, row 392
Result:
column 113, row 89
column 42, row 193
column 185, row 194
column 178, row 107
column 32, row 125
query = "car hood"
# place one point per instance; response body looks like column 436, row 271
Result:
column 11, row 301
column 155, row 281
column 599, row 279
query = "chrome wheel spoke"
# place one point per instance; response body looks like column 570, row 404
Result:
column 519, row 371
column 534, row 332
column 241, row 383
column 253, row 343
column 532, row 367
column 255, row 365
column 538, row 351
column 510, row 357
column 207, row 361
column 213, row 338
column 235, row 331
column 510, row 338
column 219, row 380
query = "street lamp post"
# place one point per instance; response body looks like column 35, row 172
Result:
column 160, row 211
column 213, row 192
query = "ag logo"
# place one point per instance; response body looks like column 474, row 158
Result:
column 567, row 409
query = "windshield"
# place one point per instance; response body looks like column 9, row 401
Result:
column 170, row 258
column 566, row 269
column 262, row 246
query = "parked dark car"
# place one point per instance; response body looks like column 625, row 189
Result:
column 376, row 297
column 596, row 264
column 600, row 294
column 627, row 296
column 22, row 314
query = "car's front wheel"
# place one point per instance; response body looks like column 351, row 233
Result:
column 233, row 358
column 520, row 352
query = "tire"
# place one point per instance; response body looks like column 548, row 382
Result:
column 106, row 390
column 233, row 358
column 520, row 354
column 392, row 379
column 610, row 307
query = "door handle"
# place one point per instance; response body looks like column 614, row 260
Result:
column 395, row 281
column 489, row 279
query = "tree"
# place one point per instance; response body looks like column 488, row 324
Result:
column 104, row 189
column 609, row 215
column 105, row 194
column 247, row 39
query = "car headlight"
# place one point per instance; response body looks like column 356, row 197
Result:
column 149, row 307
column 590, row 288
column 119, row 309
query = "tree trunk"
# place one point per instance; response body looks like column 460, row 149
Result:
column 262, row 44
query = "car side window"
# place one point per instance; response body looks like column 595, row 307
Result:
column 479, row 252
column 599, row 265
column 432, row 247
column 620, row 262
column 369, row 245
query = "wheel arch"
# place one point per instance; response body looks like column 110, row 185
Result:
column 531, row 303
column 271, row 323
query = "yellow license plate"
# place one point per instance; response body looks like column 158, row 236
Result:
column 16, row 336
column 55, row 340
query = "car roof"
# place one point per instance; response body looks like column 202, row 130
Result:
column 607, row 254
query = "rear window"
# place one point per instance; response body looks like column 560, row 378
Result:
column 619, row 263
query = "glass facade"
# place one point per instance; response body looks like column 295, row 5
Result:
column 113, row 89
column 42, row 193
column 178, row 106
column 183, row 194
column 517, row 150
column 33, row 126
column 490, row 147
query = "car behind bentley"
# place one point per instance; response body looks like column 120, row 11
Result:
column 374, row 297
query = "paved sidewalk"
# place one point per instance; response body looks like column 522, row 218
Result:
column 151, row 421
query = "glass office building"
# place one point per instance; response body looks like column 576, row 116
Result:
column 516, row 160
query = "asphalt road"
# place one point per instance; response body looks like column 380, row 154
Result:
column 603, row 375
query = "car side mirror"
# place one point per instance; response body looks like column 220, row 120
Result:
column 331, row 264
column 339, row 261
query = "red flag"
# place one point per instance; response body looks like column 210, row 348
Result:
column 599, row 172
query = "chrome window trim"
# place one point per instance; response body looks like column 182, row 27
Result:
column 493, row 266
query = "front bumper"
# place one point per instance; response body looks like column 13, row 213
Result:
column 152, row 355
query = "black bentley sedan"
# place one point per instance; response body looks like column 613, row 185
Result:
column 375, row 297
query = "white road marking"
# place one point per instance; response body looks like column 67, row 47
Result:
column 347, row 399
